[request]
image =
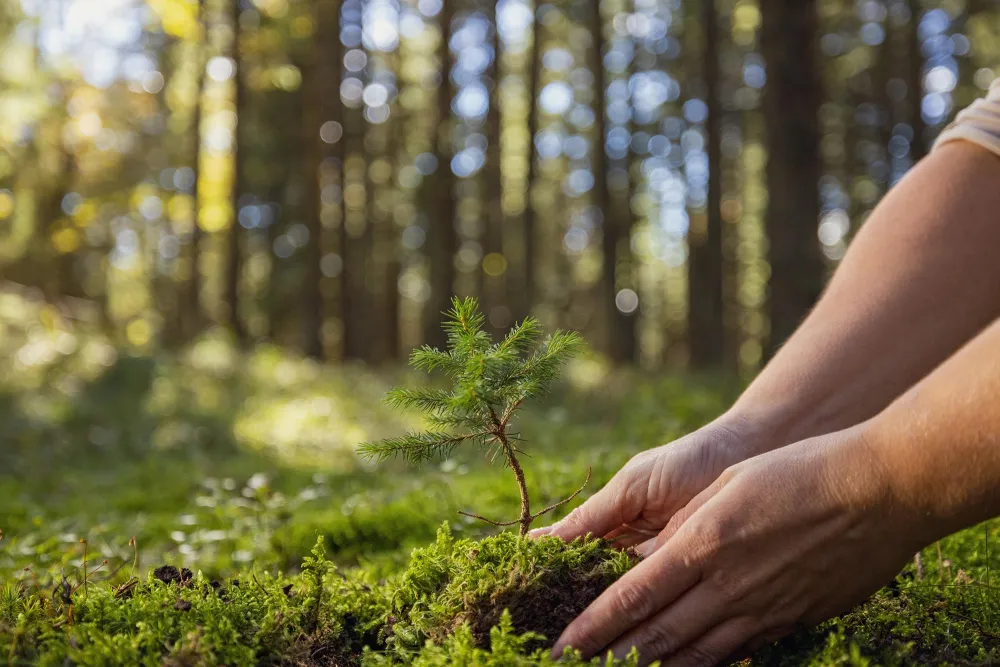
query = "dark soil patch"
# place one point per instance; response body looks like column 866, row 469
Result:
column 545, row 604
column 169, row 574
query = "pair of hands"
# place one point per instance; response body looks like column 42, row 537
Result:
column 737, row 550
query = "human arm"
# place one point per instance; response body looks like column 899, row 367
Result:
column 918, row 281
column 776, row 541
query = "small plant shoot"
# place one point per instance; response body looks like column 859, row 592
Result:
column 490, row 383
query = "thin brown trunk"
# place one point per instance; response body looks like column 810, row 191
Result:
column 915, row 83
column 494, row 285
column 191, row 310
column 313, row 73
column 442, row 241
column 524, row 521
column 705, row 266
column 61, row 280
column 390, row 288
column 234, row 259
column 353, row 250
column 791, row 109
column 526, row 293
column 617, row 325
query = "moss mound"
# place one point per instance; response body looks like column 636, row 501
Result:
column 543, row 583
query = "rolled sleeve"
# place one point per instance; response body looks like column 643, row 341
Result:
column 979, row 123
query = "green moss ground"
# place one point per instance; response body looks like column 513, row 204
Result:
column 233, row 465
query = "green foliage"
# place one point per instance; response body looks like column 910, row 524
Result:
column 490, row 382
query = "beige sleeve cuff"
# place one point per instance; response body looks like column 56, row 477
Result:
column 979, row 123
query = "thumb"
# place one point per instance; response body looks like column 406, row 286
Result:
column 616, row 503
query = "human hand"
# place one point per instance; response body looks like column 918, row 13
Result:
column 642, row 497
column 788, row 538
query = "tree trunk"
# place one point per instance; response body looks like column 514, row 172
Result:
column 494, row 283
column 618, row 327
column 526, row 294
column 234, row 258
column 791, row 109
column 915, row 83
column 314, row 71
column 442, row 241
column 705, row 265
column 190, row 311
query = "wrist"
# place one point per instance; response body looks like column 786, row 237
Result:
column 742, row 435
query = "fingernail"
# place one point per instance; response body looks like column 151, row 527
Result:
column 540, row 532
column 646, row 549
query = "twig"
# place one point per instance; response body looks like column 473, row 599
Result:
column 563, row 502
column 84, row 567
column 490, row 521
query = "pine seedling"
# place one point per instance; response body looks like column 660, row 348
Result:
column 490, row 383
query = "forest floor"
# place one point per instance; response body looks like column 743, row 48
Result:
column 231, row 465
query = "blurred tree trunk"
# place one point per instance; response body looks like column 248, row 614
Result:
column 915, row 82
column 356, row 306
column 60, row 280
column 522, row 303
column 191, row 304
column 625, row 220
column 706, row 337
column 442, row 239
column 234, row 264
column 791, row 109
column 391, row 334
column 619, row 328
column 315, row 70
column 493, row 294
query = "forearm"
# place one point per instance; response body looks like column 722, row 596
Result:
column 939, row 444
column 918, row 281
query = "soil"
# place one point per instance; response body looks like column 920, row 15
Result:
column 546, row 604
column 169, row 574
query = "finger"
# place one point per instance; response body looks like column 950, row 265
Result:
column 693, row 615
column 714, row 647
column 643, row 591
column 647, row 548
column 615, row 504
column 626, row 539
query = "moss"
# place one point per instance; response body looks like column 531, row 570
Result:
column 543, row 583
column 196, row 499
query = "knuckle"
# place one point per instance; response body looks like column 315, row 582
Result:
column 633, row 601
column 586, row 640
column 576, row 518
column 660, row 641
column 726, row 584
column 699, row 656
column 709, row 534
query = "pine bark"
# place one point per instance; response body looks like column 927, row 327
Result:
column 494, row 285
column 618, row 327
column 191, row 315
column 442, row 239
column 791, row 109
column 705, row 264
column 915, row 83
column 526, row 294
column 234, row 260
column 314, row 71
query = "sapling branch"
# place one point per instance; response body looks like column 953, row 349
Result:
column 491, row 381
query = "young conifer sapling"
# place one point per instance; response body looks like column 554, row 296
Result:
column 490, row 383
